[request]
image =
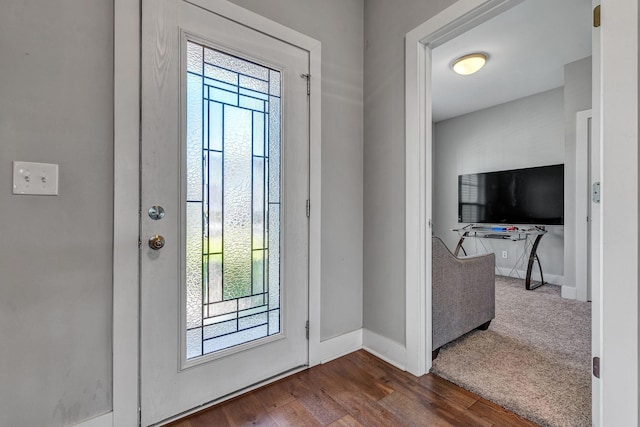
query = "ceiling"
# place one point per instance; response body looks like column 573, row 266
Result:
column 528, row 46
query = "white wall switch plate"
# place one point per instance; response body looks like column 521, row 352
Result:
column 35, row 178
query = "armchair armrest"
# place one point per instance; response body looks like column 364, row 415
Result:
column 463, row 293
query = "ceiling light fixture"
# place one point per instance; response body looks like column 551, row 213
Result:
column 469, row 64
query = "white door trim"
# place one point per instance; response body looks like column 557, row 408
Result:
column 616, row 124
column 126, row 204
column 618, row 78
column 451, row 22
column 582, row 198
column 126, row 284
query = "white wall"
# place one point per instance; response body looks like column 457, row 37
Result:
column 338, row 25
column 386, row 23
column 577, row 97
column 56, row 104
column 523, row 133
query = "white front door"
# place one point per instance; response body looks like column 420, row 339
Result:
column 224, row 185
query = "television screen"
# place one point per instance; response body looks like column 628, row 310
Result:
column 518, row 196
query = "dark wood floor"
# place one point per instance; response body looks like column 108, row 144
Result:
column 356, row 390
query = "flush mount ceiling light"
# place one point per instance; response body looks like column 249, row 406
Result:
column 469, row 64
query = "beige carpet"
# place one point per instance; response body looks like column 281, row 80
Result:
column 534, row 359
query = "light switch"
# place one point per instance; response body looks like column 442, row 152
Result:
column 35, row 178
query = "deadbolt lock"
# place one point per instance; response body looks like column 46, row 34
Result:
column 156, row 242
column 156, row 212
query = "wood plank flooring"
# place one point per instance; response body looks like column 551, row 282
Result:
column 356, row 390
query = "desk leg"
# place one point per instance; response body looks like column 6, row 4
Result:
column 534, row 257
column 459, row 246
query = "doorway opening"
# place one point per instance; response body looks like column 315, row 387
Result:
column 453, row 157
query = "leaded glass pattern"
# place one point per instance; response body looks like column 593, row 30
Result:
column 233, row 201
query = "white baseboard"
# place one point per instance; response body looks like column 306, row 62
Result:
column 569, row 292
column 339, row 346
column 555, row 279
column 384, row 348
column 105, row 420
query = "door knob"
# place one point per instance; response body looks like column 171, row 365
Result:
column 156, row 242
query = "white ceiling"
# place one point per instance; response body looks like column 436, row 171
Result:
column 528, row 46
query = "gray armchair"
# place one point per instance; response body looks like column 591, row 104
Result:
column 463, row 294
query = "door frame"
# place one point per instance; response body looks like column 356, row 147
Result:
column 615, row 123
column 582, row 198
column 126, row 262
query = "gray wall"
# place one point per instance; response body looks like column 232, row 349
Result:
column 56, row 102
column 386, row 23
column 338, row 25
column 577, row 97
column 523, row 133
column 56, row 106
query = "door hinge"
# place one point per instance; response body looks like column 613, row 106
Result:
column 596, row 16
column 308, row 208
column 306, row 327
column 308, row 77
column 139, row 243
column 596, row 367
column 595, row 192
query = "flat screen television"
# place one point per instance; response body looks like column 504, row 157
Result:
column 517, row 196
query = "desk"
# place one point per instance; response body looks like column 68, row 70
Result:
column 531, row 236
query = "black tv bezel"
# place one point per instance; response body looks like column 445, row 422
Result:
column 547, row 222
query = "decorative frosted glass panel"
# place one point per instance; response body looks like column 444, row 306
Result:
column 194, row 58
column 194, row 343
column 237, row 338
column 237, row 203
column 220, row 74
column 224, row 307
column 258, row 271
column 194, row 137
column 251, row 311
column 210, row 83
column 258, row 134
column 254, row 94
column 274, row 82
column 274, row 255
column 233, row 63
column 219, row 319
column 214, row 126
column 250, row 302
column 194, row 264
column 223, row 96
column 258, row 203
column 251, row 103
column 274, row 150
column 215, row 279
column 274, row 322
column 233, row 192
column 222, row 328
column 252, row 321
column 214, row 212
column 254, row 84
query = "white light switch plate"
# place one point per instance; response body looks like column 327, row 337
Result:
column 35, row 178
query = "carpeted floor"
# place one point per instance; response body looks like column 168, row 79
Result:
column 535, row 358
